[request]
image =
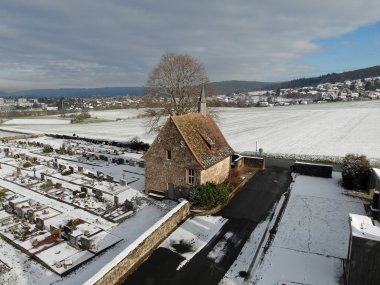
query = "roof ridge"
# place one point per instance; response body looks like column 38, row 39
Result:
column 187, row 115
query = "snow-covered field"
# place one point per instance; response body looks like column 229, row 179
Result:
column 116, row 130
column 322, row 129
column 333, row 129
column 37, row 122
column 313, row 236
column 122, row 114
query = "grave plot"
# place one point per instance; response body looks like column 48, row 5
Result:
column 3, row 267
column 57, row 240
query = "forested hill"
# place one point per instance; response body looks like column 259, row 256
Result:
column 225, row 87
column 333, row 77
column 222, row 87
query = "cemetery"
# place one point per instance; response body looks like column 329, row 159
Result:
column 60, row 207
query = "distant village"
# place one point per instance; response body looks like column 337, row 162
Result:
column 59, row 105
column 349, row 90
column 360, row 89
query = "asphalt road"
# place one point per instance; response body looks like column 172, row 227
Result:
column 251, row 205
column 258, row 196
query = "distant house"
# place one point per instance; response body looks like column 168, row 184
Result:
column 189, row 150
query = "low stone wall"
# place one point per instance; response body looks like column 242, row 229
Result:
column 20, row 137
column 312, row 169
column 250, row 161
column 129, row 259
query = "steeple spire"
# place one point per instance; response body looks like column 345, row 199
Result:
column 202, row 108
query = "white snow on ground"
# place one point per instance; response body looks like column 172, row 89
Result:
column 121, row 114
column 115, row 130
column 311, row 241
column 321, row 129
column 219, row 250
column 317, row 217
column 25, row 271
column 37, row 122
column 8, row 134
column 62, row 207
column 252, row 248
column 313, row 235
column 197, row 232
column 332, row 129
column 296, row 266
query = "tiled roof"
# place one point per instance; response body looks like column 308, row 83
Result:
column 203, row 137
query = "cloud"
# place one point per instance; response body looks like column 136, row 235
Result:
column 93, row 43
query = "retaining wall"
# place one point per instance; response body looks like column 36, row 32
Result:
column 312, row 169
column 250, row 161
column 129, row 259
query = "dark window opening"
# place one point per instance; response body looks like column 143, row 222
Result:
column 191, row 176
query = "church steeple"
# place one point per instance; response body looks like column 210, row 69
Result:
column 202, row 108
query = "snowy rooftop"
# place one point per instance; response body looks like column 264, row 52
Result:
column 363, row 227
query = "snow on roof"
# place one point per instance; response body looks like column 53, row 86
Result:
column 362, row 226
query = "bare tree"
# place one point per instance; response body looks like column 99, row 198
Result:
column 175, row 82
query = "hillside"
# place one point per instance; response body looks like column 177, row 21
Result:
column 222, row 87
column 236, row 86
column 373, row 71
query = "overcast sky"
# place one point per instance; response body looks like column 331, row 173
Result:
column 94, row 43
